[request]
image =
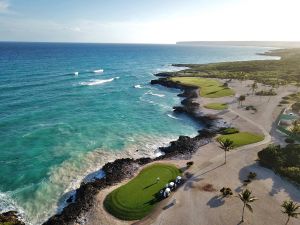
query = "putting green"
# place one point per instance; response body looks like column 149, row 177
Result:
column 137, row 198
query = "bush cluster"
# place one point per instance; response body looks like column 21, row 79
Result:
column 230, row 130
column 270, row 92
column 283, row 160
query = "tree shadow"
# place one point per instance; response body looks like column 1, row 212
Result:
column 191, row 179
column 169, row 205
column 150, row 185
column 278, row 183
column 216, row 201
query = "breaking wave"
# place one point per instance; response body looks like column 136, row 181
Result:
column 97, row 82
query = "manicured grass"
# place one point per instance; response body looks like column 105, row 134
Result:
column 242, row 138
column 209, row 88
column 137, row 198
column 216, row 106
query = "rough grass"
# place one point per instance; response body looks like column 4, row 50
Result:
column 216, row 106
column 271, row 72
column 137, row 198
column 242, row 138
column 209, row 88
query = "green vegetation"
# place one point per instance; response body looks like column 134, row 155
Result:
column 226, row 145
column 291, row 209
column 271, row 72
column 230, row 130
column 247, row 198
column 242, row 138
column 283, row 160
column 270, row 92
column 216, row 106
column 209, row 88
column 137, row 198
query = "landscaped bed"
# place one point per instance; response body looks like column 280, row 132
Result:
column 209, row 88
column 242, row 138
column 139, row 196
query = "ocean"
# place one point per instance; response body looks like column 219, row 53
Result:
column 67, row 109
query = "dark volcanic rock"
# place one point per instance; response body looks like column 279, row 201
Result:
column 184, row 147
column 121, row 169
column 10, row 218
column 115, row 172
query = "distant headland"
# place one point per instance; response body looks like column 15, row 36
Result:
column 277, row 44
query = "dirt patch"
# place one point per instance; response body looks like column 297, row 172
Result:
column 207, row 188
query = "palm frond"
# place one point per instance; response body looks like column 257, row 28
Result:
column 249, row 207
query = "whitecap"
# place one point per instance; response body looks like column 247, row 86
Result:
column 155, row 94
column 173, row 117
column 97, row 82
column 98, row 71
column 76, row 73
column 138, row 86
column 8, row 204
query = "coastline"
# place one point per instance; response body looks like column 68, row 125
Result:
column 125, row 168
column 183, row 148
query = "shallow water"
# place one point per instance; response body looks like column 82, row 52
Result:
column 66, row 109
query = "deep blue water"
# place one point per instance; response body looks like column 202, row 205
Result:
column 57, row 126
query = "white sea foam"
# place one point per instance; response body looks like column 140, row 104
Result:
column 97, row 82
column 173, row 117
column 143, row 99
column 138, row 86
column 98, row 71
column 76, row 73
column 155, row 94
column 8, row 204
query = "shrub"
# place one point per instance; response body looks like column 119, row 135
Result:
column 296, row 107
column 283, row 102
column 270, row 92
column 252, row 175
column 230, row 130
column 292, row 173
column 189, row 164
column 226, row 191
column 283, row 160
column 251, row 107
column 289, row 140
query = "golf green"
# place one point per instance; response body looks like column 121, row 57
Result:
column 137, row 198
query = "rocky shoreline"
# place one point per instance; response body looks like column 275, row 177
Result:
column 121, row 169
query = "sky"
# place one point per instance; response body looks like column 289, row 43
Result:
column 151, row 21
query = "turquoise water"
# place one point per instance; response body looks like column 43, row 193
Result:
column 66, row 109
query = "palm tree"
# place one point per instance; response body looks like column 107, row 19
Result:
column 246, row 198
column 226, row 145
column 254, row 87
column 241, row 99
column 290, row 208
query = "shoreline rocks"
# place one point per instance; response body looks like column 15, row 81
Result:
column 121, row 169
column 10, row 217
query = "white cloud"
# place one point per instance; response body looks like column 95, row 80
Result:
column 4, row 6
column 75, row 29
column 241, row 20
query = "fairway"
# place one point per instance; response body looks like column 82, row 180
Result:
column 216, row 106
column 136, row 199
column 242, row 138
column 209, row 88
